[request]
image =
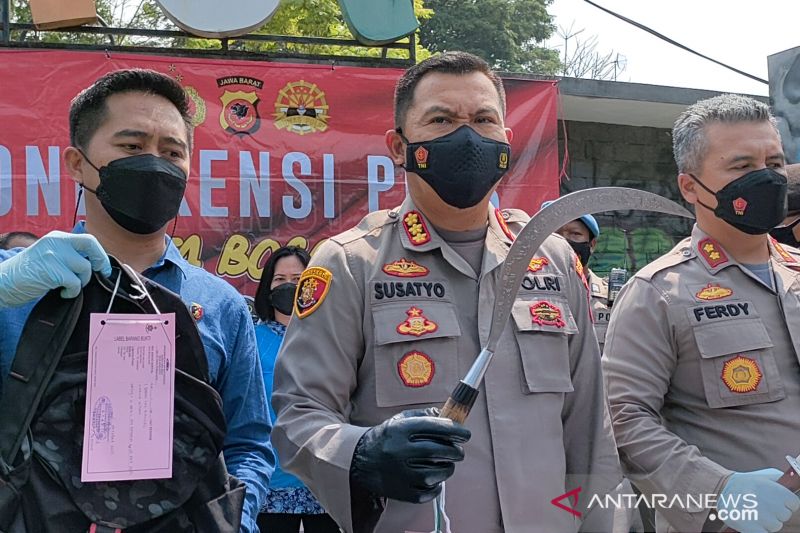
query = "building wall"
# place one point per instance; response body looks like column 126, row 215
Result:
column 602, row 155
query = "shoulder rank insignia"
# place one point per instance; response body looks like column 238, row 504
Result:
column 415, row 228
column 311, row 290
column 416, row 369
column 786, row 256
column 547, row 314
column 711, row 252
column 502, row 223
column 197, row 311
column 537, row 263
column 416, row 324
column 405, row 269
column 714, row 291
column 741, row 374
column 581, row 273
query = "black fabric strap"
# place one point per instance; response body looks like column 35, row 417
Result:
column 41, row 346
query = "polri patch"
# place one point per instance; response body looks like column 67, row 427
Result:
column 546, row 314
column 416, row 229
column 405, row 269
column 713, row 291
column 741, row 374
column 416, row 369
column 538, row 263
column 711, row 252
column 313, row 287
column 417, row 324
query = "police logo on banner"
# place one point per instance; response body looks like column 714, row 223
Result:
column 301, row 108
column 239, row 114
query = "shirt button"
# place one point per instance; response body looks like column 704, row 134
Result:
column 505, row 214
column 392, row 214
column 686, row 252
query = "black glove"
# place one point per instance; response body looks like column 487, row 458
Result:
column 408, row 456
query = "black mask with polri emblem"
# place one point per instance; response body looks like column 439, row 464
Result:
column 461, row 167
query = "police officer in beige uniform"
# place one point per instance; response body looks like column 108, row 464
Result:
column 391, row 314
column 701, row 356
column 582, row 234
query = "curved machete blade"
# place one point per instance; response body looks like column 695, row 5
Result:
column 566, row 209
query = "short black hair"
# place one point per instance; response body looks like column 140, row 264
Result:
column 446, row 63
column 263, row 300
column 11, row 235
column 88, row 110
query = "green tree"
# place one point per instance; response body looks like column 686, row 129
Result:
column 509, row 34
column 317, row 18
column 113, row 13
column 301, row 18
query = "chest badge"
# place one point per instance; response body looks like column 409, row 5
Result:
column 416, row 369
column 311, row 290
column 197, row 311
column 714, row 291
column 538, row 263
column 547, row 314
column 741, row 374
column 405, row 269
column 416, row 324
column 416, row 229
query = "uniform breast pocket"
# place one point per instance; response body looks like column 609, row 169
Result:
column 415, row 352
column 737, row 363
column 542, row 333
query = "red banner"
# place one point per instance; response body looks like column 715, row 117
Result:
column 283, row 153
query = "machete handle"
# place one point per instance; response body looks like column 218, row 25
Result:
column 789, row 479
column 460, row 402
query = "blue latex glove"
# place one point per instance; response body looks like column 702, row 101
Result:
column 56, row 260
column 757, row 491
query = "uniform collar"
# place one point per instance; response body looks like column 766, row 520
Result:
column 779, row 254
column 597, row 285
column 171, row 254
column 419, row 235
column 714, row 257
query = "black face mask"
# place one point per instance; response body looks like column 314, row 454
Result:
column 282, row 297
column 583, row 249
column 785, row 234
column 462, row 166
column 754, row 203
column 141, row 193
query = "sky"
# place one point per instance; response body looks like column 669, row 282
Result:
column 736, row 32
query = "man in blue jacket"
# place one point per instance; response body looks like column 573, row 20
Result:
column 130, row 139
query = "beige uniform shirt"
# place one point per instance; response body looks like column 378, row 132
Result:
column 701, row 361
column 598, row 288
column 399, row 322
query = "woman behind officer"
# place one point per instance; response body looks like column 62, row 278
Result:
column 288, row 501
